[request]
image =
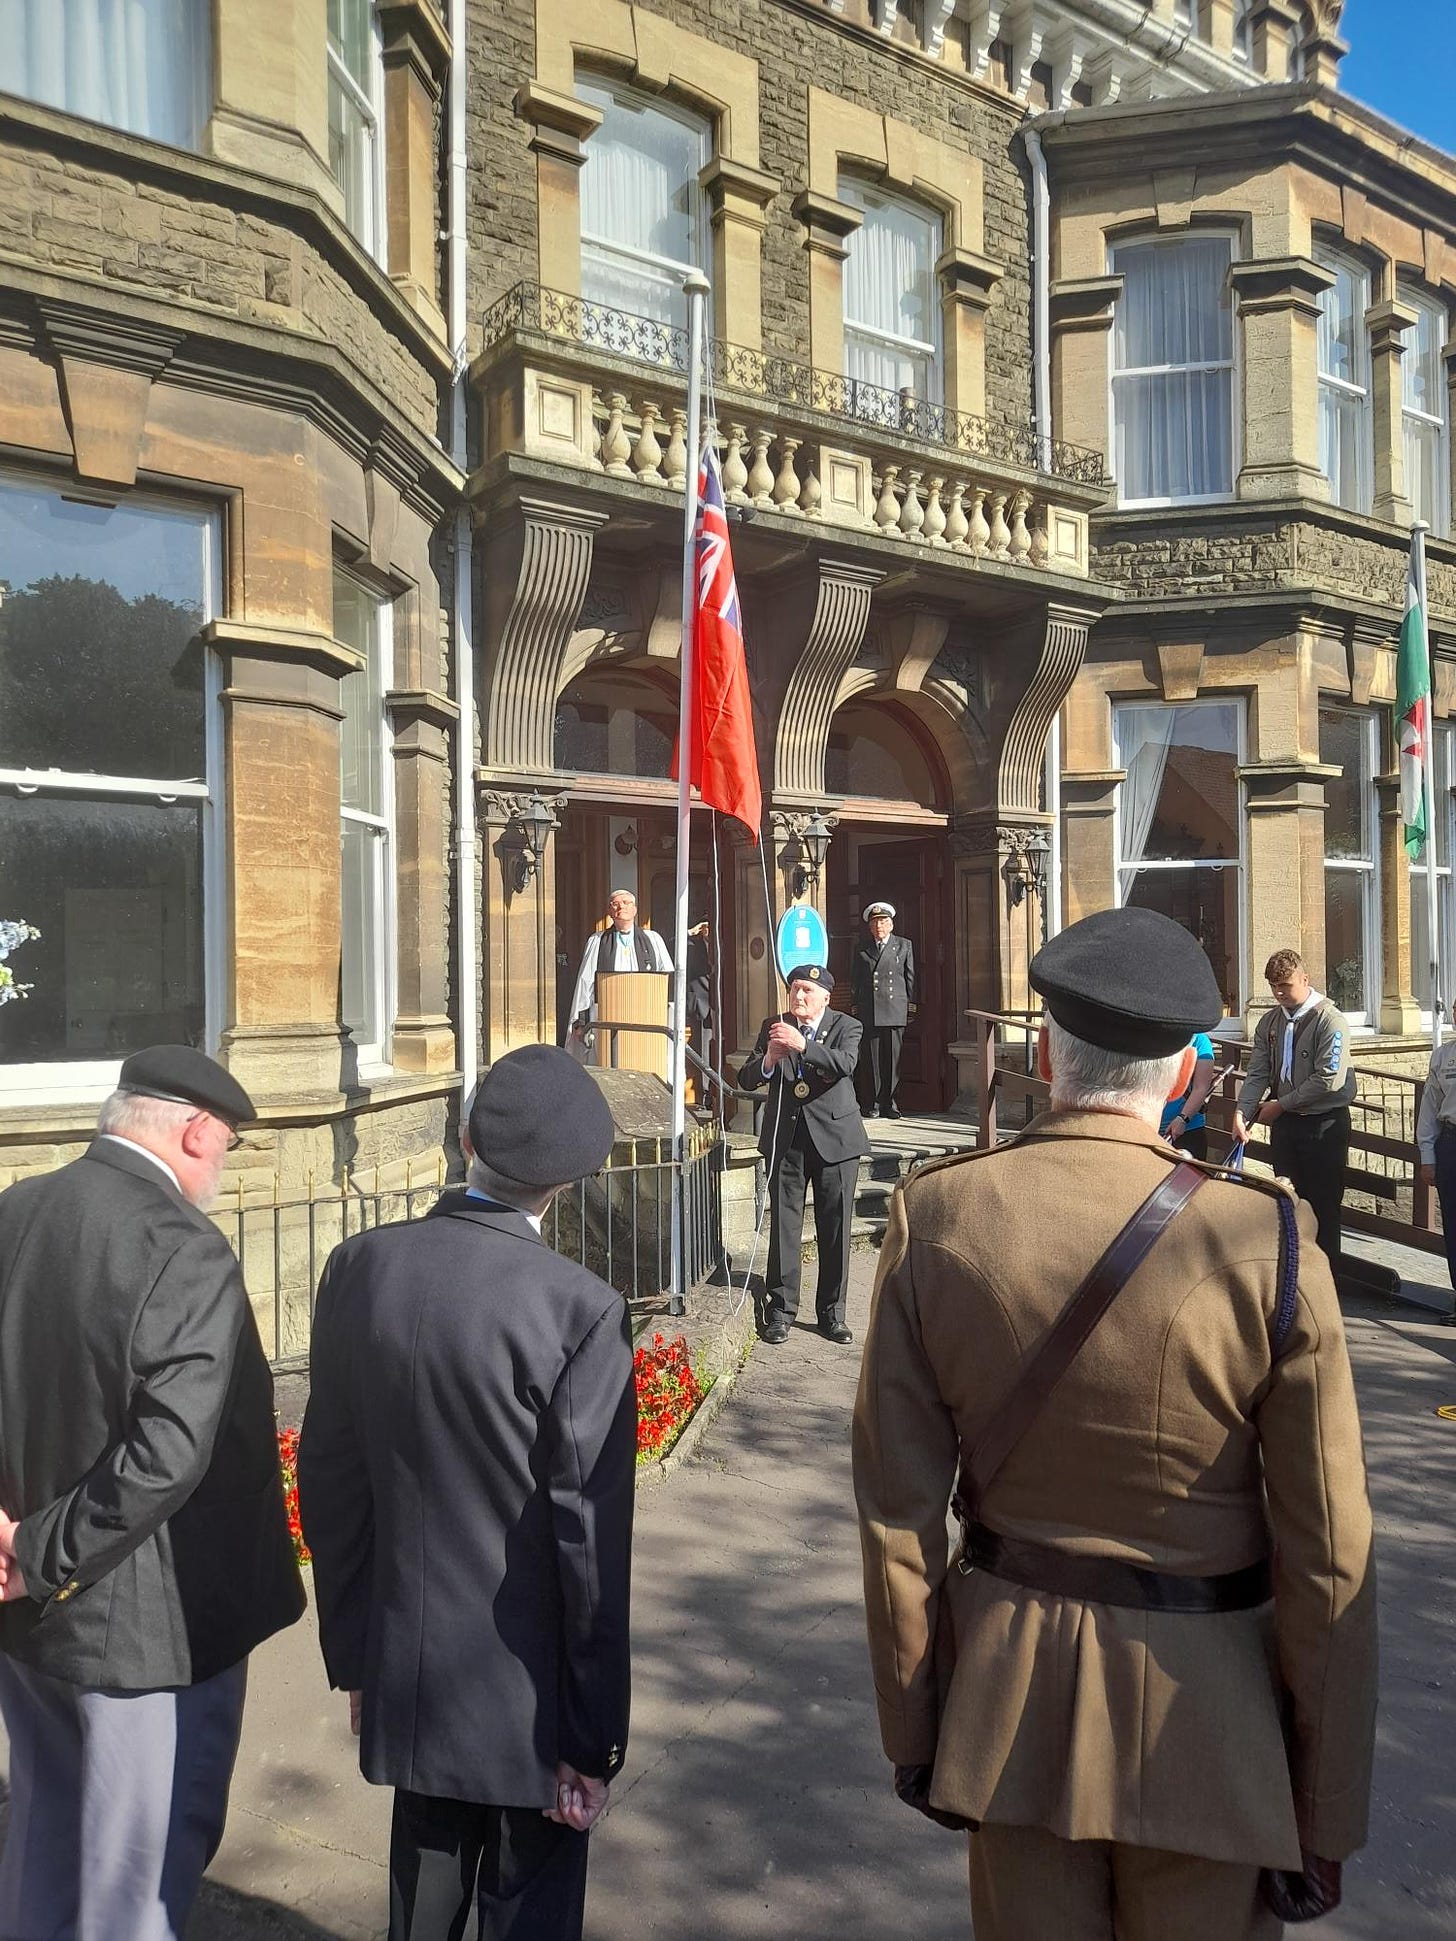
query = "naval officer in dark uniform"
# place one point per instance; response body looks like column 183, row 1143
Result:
column 882, row 990
column 466, row 1476
column 811, row 1133
column 144, row 1547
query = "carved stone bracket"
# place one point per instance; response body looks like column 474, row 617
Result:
column 1063, row 645
column 500, row 807
column 537, row 567
column 108, row 363
column 836, row 628
column 788, row 825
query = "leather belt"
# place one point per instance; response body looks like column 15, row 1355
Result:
column 1106, row 1580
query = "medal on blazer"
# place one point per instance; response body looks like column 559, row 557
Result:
column 801, row 1090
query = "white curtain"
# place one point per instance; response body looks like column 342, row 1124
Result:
column 1145, row 735
column 1173, row 370
column 640, row 223
column 132, row 64
column 891, row 318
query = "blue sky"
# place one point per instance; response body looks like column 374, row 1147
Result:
column 1402, row 62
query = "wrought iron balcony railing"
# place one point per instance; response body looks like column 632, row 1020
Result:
column 782, row 385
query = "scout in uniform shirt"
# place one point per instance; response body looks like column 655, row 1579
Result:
column 1147, row 1678
column 811, row 1135
column 882, row 989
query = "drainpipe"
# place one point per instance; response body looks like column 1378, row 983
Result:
column 462, row 654
column 1041, row 379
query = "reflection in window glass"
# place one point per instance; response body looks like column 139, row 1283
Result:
column 142, row 66
column 1173, row 369
column 353, row 59
column 362, row 621
column 1178, row 816
column 641, row 216
column 1344, row 383
column 1352, row 949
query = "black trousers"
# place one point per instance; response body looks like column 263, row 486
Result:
column 1310, row 1150
column 879, row 1064
column 1446, row 1192
column 834, row 1182
column 461, row 1872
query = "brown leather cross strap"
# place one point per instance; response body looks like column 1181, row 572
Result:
column 1076, row 1321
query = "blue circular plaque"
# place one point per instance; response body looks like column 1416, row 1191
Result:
column 802, row 938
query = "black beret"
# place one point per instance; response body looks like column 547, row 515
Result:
column 187, row 1077
column 1128, row 980
column 540, row 1119
column 811, row 974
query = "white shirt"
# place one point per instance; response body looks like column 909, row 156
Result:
column 584, row 997
column 474, row 1193
column 1438, row 1101
column 132, row 1146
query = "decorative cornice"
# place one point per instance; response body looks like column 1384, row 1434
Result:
column 107, row 336
column 1084, row 302
column 259, row 640
column 723, row 181
column 413, row 31
column 826, row 221
column 1280, row 283
column 425, row 704
column 968, row 277
column 561, row 122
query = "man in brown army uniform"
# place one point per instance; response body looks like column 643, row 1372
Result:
column 1149, row 1673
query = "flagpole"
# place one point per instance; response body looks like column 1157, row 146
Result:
column 1428, row 786
column 695, row 289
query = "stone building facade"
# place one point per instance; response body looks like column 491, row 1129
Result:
column 224, row 693
column 1250, row 306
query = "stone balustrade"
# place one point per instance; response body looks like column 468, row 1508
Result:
column 573, row 383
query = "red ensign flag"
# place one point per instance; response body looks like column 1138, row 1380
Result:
column 724, row 762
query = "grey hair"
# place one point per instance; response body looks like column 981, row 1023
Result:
column 136, row 1114
column 1087, row 1078
column 485, row 1179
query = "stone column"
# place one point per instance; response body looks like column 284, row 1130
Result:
column 562, row 125
column 1089, row 841
column 967, row 281
column 826, row 222
column 518, row 913
column 416, row 52
column 1276, row 25
column 1279, row 310
column 1324, row 50
column 1216, row 25
column 423, row 722
column 1081, row 318
column 281, row 717
column 1387, row 323
column 1400, row 1007
column 1285, row 876
column 737, row 199
column 997, row 904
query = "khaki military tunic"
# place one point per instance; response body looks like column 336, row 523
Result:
column 1171, row 1442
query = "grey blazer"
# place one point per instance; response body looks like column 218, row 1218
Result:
column 138, row 1444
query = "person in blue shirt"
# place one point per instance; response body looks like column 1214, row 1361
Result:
column 1184, row 1124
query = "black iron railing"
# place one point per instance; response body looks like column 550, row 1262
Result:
column 778, row 383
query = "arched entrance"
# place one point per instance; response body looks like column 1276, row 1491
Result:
column 887, row 785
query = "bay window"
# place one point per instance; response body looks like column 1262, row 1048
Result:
column 1424, row 414
column 109, row 768
column 1352, row 948
column 642, row 226
column 356, row 147
column 1344, row 382
column 1179, row 824
column 1173, row 371
column 143, row 66
column 362, row 620
column 891, row 315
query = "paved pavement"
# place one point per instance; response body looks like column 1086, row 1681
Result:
column 755, row 1800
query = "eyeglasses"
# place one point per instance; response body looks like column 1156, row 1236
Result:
column 235, row 1138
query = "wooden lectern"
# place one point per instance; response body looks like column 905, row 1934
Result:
column 633, row 997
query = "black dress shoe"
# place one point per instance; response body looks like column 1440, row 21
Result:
column 873, row 1112
column 776, row 1334
column 837, row 1333
column 893, row 1112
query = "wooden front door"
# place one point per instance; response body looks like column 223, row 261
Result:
column 912, row 875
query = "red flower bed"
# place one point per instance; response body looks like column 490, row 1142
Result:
column 288, row 1463
column 667, row 1393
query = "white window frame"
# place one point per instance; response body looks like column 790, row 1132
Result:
column 369, row 102
column 931, row 348
column 1231, row 364
column 87, row 1081
column 607, row 246
column 1439, row 420
column 376, row 1056
column 1232, row 1025
column 1367, row 1015
column 1337, row 259
column 1444, row 810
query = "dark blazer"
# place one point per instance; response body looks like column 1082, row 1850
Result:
column 831, row 1110
column 882, row 981
column 466, row 1478
column 138, row 1443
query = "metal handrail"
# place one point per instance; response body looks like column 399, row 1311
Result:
column 781, row 382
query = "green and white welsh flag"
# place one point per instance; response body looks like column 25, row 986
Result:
column 1413, row 710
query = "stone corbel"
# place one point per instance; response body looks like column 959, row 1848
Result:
column 832, row 638
column 1180, row 668
column 937, row 19
column 561, row 122
column 1083, row 302
column 826, row 222
column 1063, row 646
column 1275, row 25
column 1322, row 46
column 537, row 565
column 968, row 278
column 108, row 363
